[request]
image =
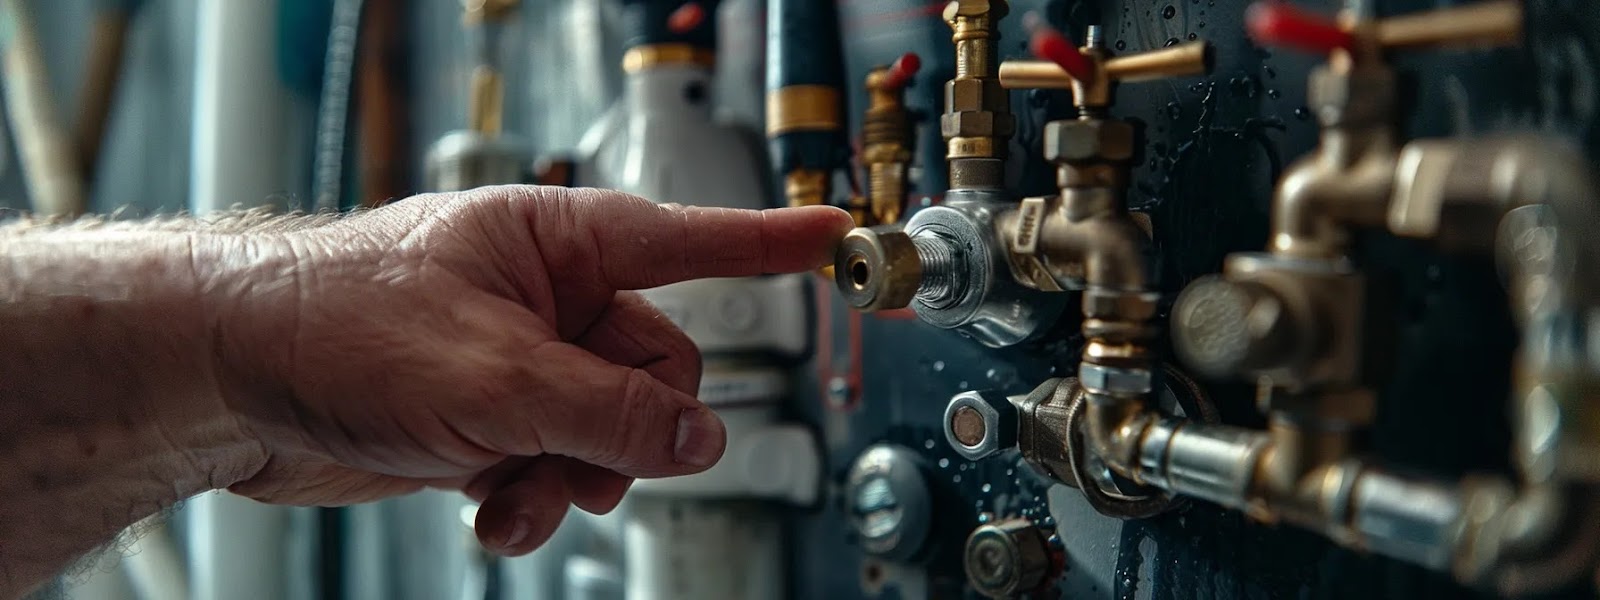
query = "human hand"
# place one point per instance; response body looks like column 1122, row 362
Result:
column 483, row 341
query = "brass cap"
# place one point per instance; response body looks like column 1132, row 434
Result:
column 877, row 269
column 1228, row 329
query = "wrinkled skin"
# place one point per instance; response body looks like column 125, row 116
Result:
column 483, row 341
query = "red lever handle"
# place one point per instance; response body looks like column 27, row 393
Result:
column 1047, row 43
column 903, row 69
column 1274, row 23
column 686, row 18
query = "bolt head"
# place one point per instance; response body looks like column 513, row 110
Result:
column 980, row 424
column 1077, row 140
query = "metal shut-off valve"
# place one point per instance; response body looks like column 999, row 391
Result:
column 981, row 262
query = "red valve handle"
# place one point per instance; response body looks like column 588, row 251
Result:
column 1047, row 43
column 1275, row 23
column 903, row 69
column 686, row 18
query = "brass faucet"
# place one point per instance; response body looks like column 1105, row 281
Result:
column 1081, row 238
column 1291, row 318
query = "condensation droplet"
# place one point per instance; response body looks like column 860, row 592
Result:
column 1121, row 45
column 1169, row 12
column 956, row 479
column 928, row 444
column 944, row 463
column 1302, row 113
column 986, row 488
column 1172, row 42
column 1273, row 94
column 1193, row 35
column 938, row 365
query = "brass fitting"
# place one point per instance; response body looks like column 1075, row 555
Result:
column 1304, row 303
column 1291, row 318
column 886, row 147
column 486, row 94
column 806, row 187
column 977, row 123
column 1192, row 58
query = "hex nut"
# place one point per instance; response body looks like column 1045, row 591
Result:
column 976, row 124
column 995, row 428
column 1123, row 306
column 877, row 269
column 1076, row 140
column 1097, row 378
column 966, row 95
column 967, row 124
column 1006, row 559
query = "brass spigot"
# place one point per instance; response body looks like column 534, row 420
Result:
column 886, row 141
column 977, row 122
column 1305, row 300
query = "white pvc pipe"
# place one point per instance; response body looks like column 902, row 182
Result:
column 242, row 125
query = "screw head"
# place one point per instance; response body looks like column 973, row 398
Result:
column 889, row 504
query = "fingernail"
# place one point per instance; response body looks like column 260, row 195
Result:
column 699, row 442
column 519, row 532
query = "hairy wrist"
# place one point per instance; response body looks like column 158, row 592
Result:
column 109, row 376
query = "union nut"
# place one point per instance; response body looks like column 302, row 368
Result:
column 980, row 424
column 1079, row 140
column 877, row 269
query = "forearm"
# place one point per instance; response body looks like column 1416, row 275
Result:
column 112, row 406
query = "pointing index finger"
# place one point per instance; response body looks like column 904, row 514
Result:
column 633, row 243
